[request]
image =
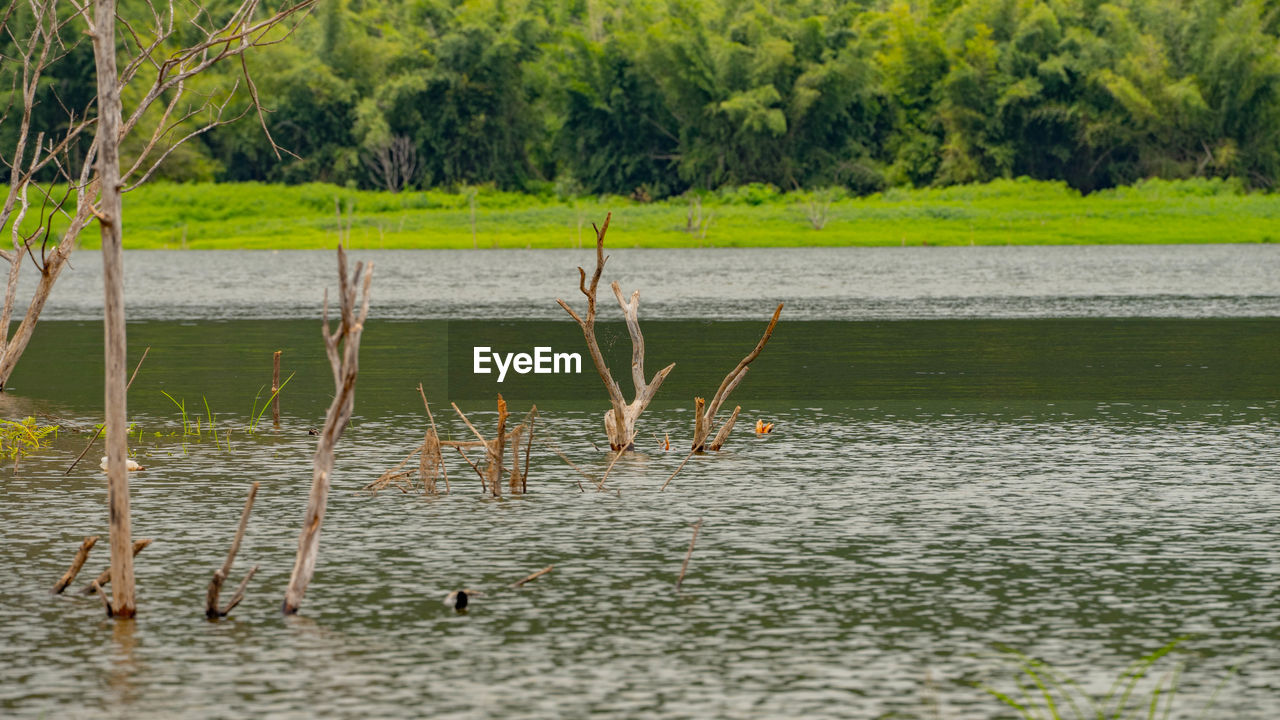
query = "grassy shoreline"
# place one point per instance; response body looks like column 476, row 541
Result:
column 1015, row 212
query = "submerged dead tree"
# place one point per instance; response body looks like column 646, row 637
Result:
column 343, row 349
column 110, row 219
column 705, row 413
column 620, row 421
column 53, row 172
column 156, row 69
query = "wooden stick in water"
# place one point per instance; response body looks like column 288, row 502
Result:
column 443, row 470
column 514, row 482
column 220, row 575
column 468, row 422
column 678, row 469
column 78, row 562
column 696, row 527
column 524, row 477
column 239, row 593
column 275, row 389
column 629, row 444
column 496, row 450
column 534, row 576
column 473, row 466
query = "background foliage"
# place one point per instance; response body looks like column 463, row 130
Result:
column 652, row 98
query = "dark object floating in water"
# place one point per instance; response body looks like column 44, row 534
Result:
column 312, row 431
column 456, row 600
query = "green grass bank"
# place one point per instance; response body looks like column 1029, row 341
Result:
column 1017, row 212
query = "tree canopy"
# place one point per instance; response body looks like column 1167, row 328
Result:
column 655, row 97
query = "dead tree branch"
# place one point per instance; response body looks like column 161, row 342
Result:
column 220, row 575
column 533, row 576
column 342, row 347
column 104, row 577
column 78, row 562
column 147, row 60
column 620, row 421
column 705, row 413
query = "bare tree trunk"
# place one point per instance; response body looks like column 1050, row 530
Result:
column 110, row 220
column 345, row 365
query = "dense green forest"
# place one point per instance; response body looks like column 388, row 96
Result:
column 650, row 98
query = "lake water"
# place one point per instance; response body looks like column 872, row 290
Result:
column 1070, row 452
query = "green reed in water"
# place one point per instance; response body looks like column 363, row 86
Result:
column 1047, row 693
column 198, row 427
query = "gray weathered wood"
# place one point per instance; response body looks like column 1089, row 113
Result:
column 343, row 350
column 620, row 420
column 110, row 220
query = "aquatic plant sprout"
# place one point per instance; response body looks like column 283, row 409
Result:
column 182, row 408
column 1057, row 691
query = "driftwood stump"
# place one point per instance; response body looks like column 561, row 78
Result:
column 620, row 420
column 343, row 350
column 705, row 413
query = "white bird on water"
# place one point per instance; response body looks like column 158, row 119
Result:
column 129, row 463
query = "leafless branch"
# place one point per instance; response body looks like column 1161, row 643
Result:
column 621, row 419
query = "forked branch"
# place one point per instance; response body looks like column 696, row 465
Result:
column 620, row 420
column 212, row 610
